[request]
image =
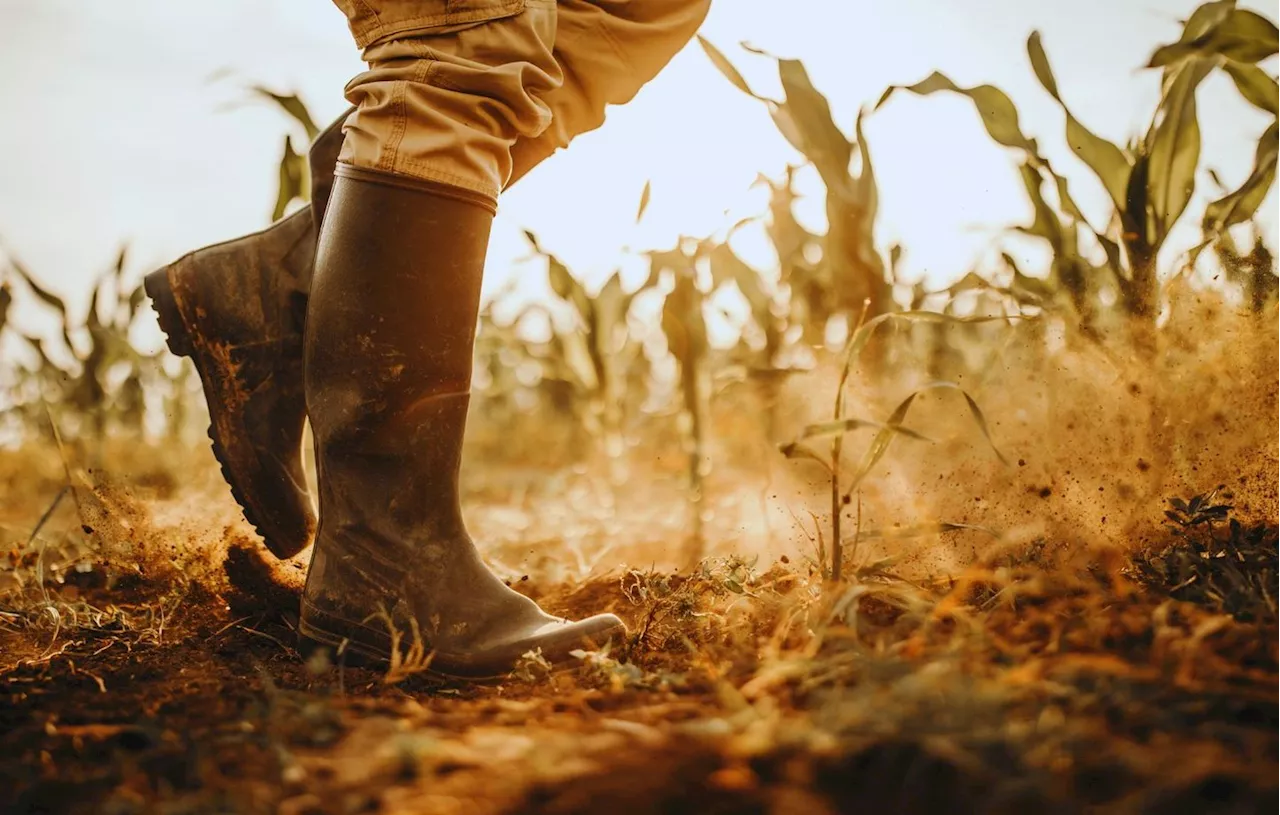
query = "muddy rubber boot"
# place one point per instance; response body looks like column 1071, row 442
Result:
column 237, row 310
column 390, row 332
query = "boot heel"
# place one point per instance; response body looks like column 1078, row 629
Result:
column 160, row 289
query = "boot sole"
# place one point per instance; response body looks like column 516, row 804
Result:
column 159, row 288
column 342, row 638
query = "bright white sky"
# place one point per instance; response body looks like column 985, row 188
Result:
column 115, row 132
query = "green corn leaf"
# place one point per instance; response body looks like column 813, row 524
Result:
column 1105, row 159
column 880, row 444
column 1065, row 200
column 839, row 427
column 136, row 298
column 1175, row 149
column 293, row 106
column 1240, row 205
column 1046, row 223
column 533, row 241
column 998, row 113
column 563, row 284
column 1255, row 85
column 292, row 179
column 795, row 450
column 979, row 418
column 1136, row 216
column 1238, row 35
column 1205, row 18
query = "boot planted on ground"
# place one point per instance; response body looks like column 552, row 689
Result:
column 237, row 310
column 390, row 332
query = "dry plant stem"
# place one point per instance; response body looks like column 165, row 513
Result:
column 837, row 446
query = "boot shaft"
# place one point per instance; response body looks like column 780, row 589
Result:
column 388, row 355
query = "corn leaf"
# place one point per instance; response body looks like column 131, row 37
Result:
column 1065, row 200
column 725, row 67
column 1240, row 205
column 1238, row 35
column 293, row 106
column 292, row 179
column 644, row 200
column 998, row 113
column 1175, row 149
column 880, row 445
column 795, row 450
column 868, row 194
column 1255, row 85
column 839, row 427
column 1136, row 216
column 1046, row 223
column 1105, row 159
column 823, row 142
column 136, row 299
column 1205, row 18
column 979, row 418
column 44, row 295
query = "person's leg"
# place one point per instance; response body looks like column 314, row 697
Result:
column 389, row 338
column 607, row 50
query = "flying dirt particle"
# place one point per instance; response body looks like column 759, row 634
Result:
column 1143, row 465
column 1022, row 462
column 524, row 578
column 1045, row 492
column 88, row 530
column 784, row 559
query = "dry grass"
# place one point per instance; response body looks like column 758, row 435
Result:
column 1049, row 676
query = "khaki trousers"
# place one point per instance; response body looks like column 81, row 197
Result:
column 474, row 93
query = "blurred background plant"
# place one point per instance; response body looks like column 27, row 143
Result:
column 92, row 380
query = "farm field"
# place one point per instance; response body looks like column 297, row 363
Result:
column 1005, row 545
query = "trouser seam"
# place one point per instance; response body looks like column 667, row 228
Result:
column 434, row 173
column 391, row 151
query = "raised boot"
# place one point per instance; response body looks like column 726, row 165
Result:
column 237, row 310
column 390, row 332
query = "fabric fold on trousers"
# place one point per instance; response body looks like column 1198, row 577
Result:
column 474, row 93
